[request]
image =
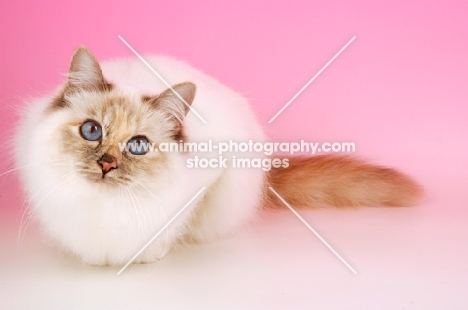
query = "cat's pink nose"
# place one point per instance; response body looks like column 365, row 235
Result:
column 107, row 162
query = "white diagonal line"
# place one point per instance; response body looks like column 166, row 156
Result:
column 161, row 230
column 162, row 79
column 313, row 230
column 311, row 80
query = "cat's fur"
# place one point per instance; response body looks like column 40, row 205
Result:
column 106, row 219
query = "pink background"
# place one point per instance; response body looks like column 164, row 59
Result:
column 399, row 91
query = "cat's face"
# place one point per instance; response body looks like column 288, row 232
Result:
column 108, row 133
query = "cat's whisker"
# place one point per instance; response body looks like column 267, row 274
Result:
column 153, row 224
column 145, row 215
column 72, row 186
column 141, row 208
column 28, row 214
column 125, row 198
column 78, row 181
column 137, row 216
column 27, row 217
column 30, row 197
column 152, row 195
column 122, row 203
column 161, row 209
column 158, row 202
column 36, row 207
column 32, row 164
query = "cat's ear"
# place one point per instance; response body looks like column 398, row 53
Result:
column 176, row 101
column 85, row 72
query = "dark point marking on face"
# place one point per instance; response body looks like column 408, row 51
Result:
column 146, row 98
column 105, row 86
column 58, row 102
column 180, row 135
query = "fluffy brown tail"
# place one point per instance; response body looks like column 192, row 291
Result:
column 340, row 181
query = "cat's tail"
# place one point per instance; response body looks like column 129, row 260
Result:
column 340, row 181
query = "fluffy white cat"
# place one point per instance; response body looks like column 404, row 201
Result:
column 103, row 204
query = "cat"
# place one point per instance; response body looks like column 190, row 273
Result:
column 102, row 203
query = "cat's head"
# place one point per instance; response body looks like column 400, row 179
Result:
column 109, row 133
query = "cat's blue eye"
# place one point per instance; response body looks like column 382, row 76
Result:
column 138, row 145
column 90, row 130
